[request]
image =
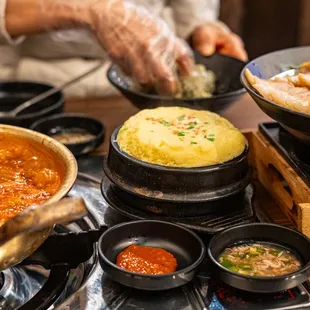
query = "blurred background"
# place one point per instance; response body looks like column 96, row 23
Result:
column 268, row 25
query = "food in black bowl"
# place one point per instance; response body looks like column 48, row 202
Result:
column 79, row 133
column 227, row 86
column 261, row 258
column 13, row 94
column 177, row 162
column 279, row 83
column 150, row 255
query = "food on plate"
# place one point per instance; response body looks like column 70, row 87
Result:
column 291, row 91
column 146, row 260
column 199, row 84
column 180, row 137
column 259, row 259
column 29, row 175
column 73, row 136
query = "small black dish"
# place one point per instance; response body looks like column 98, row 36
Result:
column 175, row 191
column 185, row 245
column 260, row 232
column 268, row 66
column 13, row 94
column 228, row 86
column 63, row 123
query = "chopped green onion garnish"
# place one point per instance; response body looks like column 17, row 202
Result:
column 165, row 123
column 227, row 263
column 275, row 252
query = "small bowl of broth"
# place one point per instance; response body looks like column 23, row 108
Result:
column 79, row 133
column 260, row 258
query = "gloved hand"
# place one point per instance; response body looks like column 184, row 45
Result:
column 141, row 44
column 216, row 37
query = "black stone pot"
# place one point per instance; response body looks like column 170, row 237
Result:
column 174, row 191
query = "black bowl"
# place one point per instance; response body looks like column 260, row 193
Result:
column 276, row 234
column 12, row 94
column 268, row 66
column 62, row 122
column 228, row 86
column 185, row 245
column 174, row 191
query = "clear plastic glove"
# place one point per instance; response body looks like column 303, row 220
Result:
column 141, row 44
column 216, row 37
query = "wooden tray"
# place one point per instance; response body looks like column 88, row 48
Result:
column 289, row 191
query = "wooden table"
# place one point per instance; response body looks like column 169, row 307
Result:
column 113, row 111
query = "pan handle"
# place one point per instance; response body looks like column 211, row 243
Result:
column 43, row 216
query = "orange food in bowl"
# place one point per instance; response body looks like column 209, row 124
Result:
column 29, row 175
column 146, row 260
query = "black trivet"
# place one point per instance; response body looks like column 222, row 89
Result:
column 210, row 224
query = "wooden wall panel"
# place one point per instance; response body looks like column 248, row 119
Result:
column 268, row 25
column 232, row 13
column 304, row 23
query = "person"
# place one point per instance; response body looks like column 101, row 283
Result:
column 53, row 41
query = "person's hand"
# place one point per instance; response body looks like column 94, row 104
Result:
column 142, row 45
column 216, row 37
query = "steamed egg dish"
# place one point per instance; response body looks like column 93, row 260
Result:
column 180, row 137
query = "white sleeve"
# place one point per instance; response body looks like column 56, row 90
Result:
column 188, row 14
column 4, row 35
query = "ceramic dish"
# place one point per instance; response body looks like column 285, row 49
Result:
column 278, row 235
column 82, row 134
column 228, row 86
column 186, row 247
column 12, row 94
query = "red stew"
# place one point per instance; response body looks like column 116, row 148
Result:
column 29, row 175
column 147, row 260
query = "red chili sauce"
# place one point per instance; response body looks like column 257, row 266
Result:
column 147, row 260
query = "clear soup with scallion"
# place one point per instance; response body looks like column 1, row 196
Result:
column 259, row 259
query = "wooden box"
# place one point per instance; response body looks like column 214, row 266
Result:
column 289, row 191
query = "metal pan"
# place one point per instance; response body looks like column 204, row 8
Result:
column 268, row 66
column 31, row 223
column 24, row 244
column 185, row 245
